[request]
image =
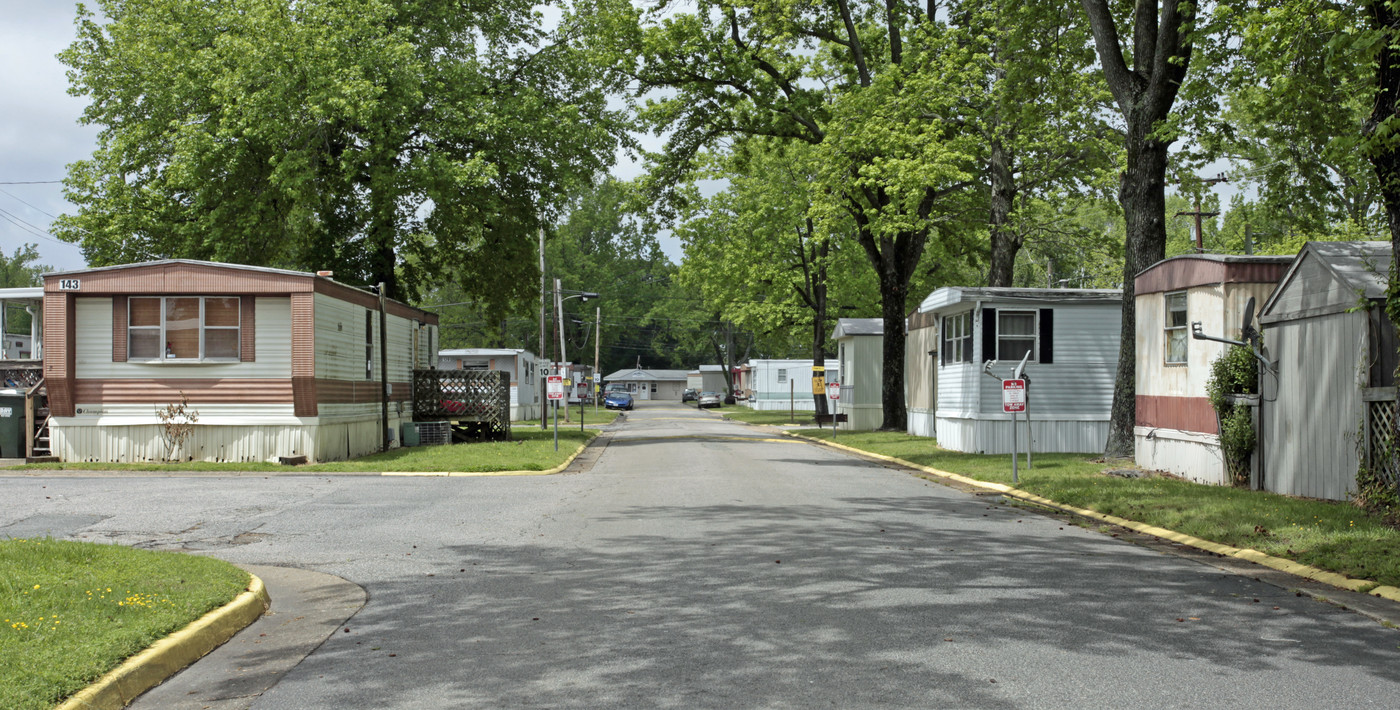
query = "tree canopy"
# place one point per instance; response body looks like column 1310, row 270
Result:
column 395, row 141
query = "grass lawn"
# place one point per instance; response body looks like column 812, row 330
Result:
column 1334, row 536
column 529, row 450
column 74, row 610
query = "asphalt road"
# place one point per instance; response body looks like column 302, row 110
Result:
column 700, row 563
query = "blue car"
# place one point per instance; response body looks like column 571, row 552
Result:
column 618, row 400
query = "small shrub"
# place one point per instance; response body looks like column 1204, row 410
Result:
column 177, row 424
column 1233, row 373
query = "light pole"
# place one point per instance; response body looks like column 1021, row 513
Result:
column 559, row 298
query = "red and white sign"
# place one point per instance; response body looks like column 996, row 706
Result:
column 1013, row 395
column 833, row 390
column 554, row 387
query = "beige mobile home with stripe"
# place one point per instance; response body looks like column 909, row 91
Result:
column 274, row 363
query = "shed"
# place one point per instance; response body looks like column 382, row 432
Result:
column 519, row 364
column 785, row 384
column 1072, row 337
column 1176, row 429
column 1334, row 349
column 707, row 378
column 921, row 372
column 860, row 345
column 649, row 384
column 275, row 363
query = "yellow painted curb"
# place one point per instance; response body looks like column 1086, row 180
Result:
column 1251, row 555
column 169, row 655
column 547, row 472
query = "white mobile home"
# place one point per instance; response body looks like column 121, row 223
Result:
column 707, row 378
column 1331, row 402
column 1071, row 338
column 650, row 384
column 785, row 384
column 520, row 365
column 275, row 363
column 1176, row 428
column 860, row 348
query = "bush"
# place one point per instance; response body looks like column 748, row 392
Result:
column 1234, row 372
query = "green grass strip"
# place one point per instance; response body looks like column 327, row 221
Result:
column 74, row 610
column 529, row 449
column 1334, row 536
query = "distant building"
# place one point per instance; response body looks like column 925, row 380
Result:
column 521, row 365
column 649, row 384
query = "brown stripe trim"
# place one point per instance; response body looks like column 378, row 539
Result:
column 58, row 352
column 247, row 328
column 1186, row 272
column 358, row 392
column 368, row 300
column 304, row 354
column 202, row 391
column 119, row 315
column 1183, row 413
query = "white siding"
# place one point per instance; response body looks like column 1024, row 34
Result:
column 273, row 347
column 340, row 340
column 795, row 393
column 861, row 383
column 1193, row 456
column 994, row 436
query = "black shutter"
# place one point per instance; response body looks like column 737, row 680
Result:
column 943, row 340
column 989, row 334
column 1047, row 336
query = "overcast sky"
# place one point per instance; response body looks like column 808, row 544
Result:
column 40, row 134
column 39, row 131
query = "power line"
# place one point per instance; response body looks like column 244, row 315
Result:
column 32, row 182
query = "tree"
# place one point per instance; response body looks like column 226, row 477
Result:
column 1042, row 120
column 1160, row 45
column 877, row 89
column 393, row 141
column 755, row 254
column 20, row 270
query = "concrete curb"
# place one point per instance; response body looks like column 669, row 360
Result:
column 166, row 657
column 549, row 472
column 1289, row 566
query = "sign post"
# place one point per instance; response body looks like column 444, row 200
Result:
column 1013, row 401
column 554, row 390
column 833, row 391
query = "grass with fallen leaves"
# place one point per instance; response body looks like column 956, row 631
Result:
column 1334, row 536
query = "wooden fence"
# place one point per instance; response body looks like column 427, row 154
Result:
column 477, row 402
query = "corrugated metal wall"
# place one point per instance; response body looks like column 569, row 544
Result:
column 1312, row 412
column 993, row 436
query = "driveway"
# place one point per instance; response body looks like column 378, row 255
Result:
column 703, row 563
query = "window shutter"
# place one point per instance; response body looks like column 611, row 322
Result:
column 247, row 329
column 1047, row 335
column 989, row 334
column 119, row 329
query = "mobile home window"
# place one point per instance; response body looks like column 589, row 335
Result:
column 957, row 338
column 782, row 375
column 1015, row 335
column 1176, row 328
column 185, row 328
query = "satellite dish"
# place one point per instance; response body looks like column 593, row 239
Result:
column 1247, row 331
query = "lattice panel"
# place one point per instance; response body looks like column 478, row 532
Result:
column 1384, row 453
column 21, row 377
column 480, row 397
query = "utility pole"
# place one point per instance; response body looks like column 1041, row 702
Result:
column 1198, row 214
column 383, row 375
column 540, row 381
column 597, row 335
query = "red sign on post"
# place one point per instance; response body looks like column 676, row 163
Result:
column 554, row 387
column 1013, row 396
column 833, row 390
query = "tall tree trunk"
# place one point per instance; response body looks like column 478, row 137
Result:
column 894, row 292
column 1161, row 54
column 1005, row 242
column 1143, row 197
column 383, row 226
column 819, row 303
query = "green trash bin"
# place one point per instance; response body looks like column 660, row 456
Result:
column 11, row 424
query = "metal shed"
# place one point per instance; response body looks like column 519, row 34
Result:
column 860, row 346
column 1334, row 353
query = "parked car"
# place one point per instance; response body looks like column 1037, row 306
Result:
column 618, row 400
column 708, row 399
column 690, row 395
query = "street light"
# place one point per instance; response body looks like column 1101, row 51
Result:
column 559, row 298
